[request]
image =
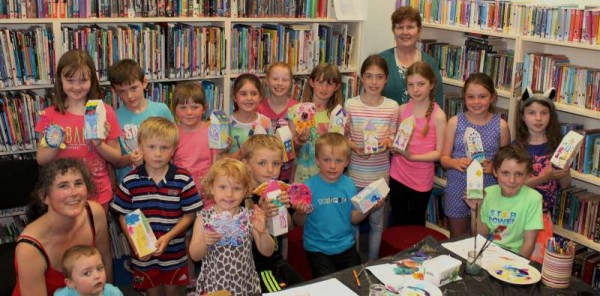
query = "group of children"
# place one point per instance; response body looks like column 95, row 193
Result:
column 167, row 170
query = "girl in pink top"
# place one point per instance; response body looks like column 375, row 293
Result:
column 276, row 105
column 412, row 170
column 76, row 83
column 192, row 153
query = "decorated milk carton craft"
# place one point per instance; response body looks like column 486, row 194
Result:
column 94, row 119
column 278, row 224
column 140, row 233
column 338, row 120
column 474, row 145
column 218, row 130
column 475, row 180
column 370, row 142
column 305, row 116
column 567, row 150
column 404, row 133
column 369, row 196
column 285, row 135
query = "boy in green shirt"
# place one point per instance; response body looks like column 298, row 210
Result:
column 516, row 208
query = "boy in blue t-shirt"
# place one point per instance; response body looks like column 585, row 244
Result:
column 510, row 209
column 328, row 231
column 128, row 81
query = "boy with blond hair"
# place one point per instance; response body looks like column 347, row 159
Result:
column 85, row 274
column 168, row 198
column 263, row 155
column 328, row 236
column 128, row 81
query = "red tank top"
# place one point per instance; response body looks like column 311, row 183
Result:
column 54, row 278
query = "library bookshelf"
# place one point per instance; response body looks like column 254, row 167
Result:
column 580, row 55
column 221, row 48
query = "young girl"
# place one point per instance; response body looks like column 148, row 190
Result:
column 279, row 81
column 190, row 103
column 480, row 96
column 76, row 83
column 323, row 89
column 538, row 131
column 371, row 108
column 227, row 262
column 412, row 170
column 245, row 120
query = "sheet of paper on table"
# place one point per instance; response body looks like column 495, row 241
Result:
column 491, row 256
column 385, row 274
column 324, row 288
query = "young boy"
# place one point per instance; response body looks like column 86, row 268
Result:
column 263, row 155
column 168, row 197
column 85, row 275
column 328, row 234
column 510, row 204
column 128, row 81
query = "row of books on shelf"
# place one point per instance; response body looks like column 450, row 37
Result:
column 586, row 266
column 12, row 222
column 576, row 209
column 19, row 111
column 164, row 50
column 162, row 8
column 18, row 114
column 112, row 8
column 561, row 22
column 255, row 47
column 577, row 86
column 281, row 8
column 476, row 55
column 26, row 57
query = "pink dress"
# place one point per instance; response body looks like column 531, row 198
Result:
column 417, row 175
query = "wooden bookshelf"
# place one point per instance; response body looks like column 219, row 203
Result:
column 578, row 111
column 468, row 30
column 578, row 45
column 581, row 239
column 222, row 72
column 580, row 54
column 458, row 83
column 585, row 177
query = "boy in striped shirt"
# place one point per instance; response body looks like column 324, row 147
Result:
column 169, row 199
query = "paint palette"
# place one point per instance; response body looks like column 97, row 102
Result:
column 515, row 273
